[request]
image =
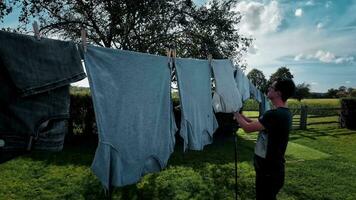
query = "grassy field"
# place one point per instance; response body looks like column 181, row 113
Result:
column 321, row 164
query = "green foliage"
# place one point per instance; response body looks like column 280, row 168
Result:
column 82, row 117
column 143, row 25
column 320, row 164
column 250, row 105
column 353, row 93
column 316, row 106
column 282, row 72
column 258, row 79
column 176, row 183
column 302, row 91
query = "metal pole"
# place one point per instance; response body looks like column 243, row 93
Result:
column 235, row 139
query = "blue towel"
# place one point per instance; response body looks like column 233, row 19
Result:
column 227, row 97
column 243, row 84
column 134, row 115
column 198, row 122
column 255, row 93
column 266, row 105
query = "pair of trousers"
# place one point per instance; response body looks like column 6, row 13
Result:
column 34, row 92
column 269, row 178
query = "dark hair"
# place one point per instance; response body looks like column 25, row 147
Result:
column 286, row 87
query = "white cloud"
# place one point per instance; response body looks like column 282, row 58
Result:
column 298, row 57
column 347, row 82
column 328, row 4
column 310, row 3
column 341, row 60
column 325, row 57
column 314, row 83
column 258, row 18
column 253, row 49
column 319, row 25
column 298, row 12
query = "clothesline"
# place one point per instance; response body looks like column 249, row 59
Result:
column 131, row 96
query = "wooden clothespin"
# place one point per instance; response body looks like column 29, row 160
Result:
column 169, row 55
column 174, row 53
column 36, row 30
column 168, row 52
column 210, row 57
column 84, row 39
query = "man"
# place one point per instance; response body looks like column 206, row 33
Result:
column 274, row 126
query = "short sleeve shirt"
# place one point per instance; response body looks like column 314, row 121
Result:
column 272, row 142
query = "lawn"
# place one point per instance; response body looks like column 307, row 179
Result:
column 321, row 164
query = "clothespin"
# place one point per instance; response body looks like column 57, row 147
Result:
column 84, row 39
column 169, row 54
column 174, row 53
column 36, row 30
column 210, row 57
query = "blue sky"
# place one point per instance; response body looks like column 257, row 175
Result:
column 315, row 39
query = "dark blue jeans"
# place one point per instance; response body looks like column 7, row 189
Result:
column 34, row 92
column 269, row 178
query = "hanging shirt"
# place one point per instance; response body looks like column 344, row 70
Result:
column 243, row 84
column 34, row 93
column 255, row 93
column 265, row 103
column 134, row 115
column 198, row 122
column 227, row 97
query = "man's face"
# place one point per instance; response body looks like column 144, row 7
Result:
column 272, row 93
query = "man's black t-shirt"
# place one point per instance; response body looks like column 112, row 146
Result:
column 272, row 142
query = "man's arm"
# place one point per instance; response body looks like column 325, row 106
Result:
column 246, row 118
column 248, row 126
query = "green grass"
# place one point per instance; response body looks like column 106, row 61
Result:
column 321, row 164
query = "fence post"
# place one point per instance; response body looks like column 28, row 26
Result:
column 303, row 117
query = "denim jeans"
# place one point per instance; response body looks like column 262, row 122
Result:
column 34, row 91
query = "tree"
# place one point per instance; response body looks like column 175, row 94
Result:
column 342, row 89
column 353, row 93
column 282, row 72
column 258, row 79
column 302, row 91
column 142, row 25
column 331, row 93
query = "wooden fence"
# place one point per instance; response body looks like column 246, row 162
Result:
column 305, row 116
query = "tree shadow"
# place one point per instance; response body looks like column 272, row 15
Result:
column 315, row 133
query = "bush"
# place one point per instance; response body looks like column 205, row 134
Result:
column 82, row 117
column 176, row 183
column 348, row 112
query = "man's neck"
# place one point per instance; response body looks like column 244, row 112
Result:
column 279, row 103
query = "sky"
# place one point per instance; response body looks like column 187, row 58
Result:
column 315, row 39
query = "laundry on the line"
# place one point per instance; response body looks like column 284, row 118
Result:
column 34, row 104
column 133, row 108
column 227, row 97
column 198, row 122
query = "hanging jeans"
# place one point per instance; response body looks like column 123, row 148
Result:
column 34, row 92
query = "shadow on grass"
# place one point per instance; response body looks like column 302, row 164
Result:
column 315, row 133
column 329, row 178
column 221, row 151
column 80, row 152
